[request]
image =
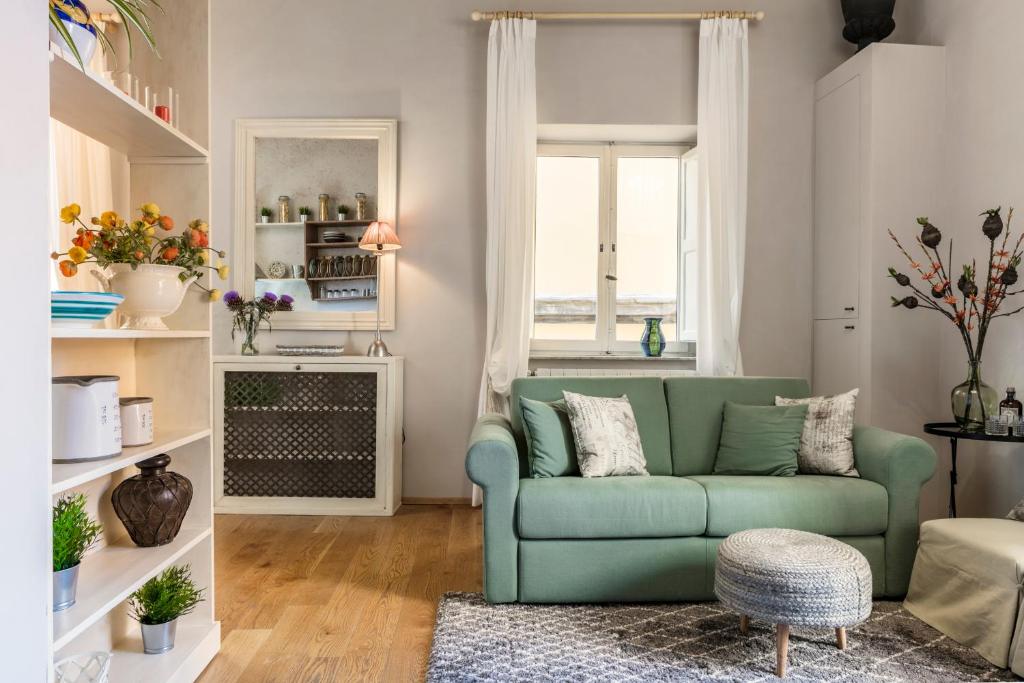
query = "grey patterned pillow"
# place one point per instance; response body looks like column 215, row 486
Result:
column 826, row 443
column 606, row 436
column 1017, row 512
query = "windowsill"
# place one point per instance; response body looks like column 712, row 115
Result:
column 570, row 355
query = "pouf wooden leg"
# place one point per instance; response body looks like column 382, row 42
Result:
column 782, row 645
column 841, row 637
column 744, row 623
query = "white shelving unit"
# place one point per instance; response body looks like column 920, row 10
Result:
column 170, row 167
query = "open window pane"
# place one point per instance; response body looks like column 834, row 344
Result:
column 565, row 270
column 647, row 245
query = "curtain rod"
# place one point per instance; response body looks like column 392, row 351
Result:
column 479, row 15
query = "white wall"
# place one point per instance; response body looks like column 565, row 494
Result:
column 982, row 170
column 25, row 400
column 424, row 64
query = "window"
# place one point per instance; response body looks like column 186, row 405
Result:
column 614, row 244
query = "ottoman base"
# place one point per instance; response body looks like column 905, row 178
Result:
column 782, row 643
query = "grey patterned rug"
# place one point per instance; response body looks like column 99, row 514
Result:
column 474, row 641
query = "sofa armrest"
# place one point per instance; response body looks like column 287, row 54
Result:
column 902, row 464
column 492, row 462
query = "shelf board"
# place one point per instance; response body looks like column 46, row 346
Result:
column 339, row 224
column 194, row 646
column 343, row 277
column 105, row 333
column 345, row 298
column 109, row 576
column 94, row 106
column 333, row 245
column 69, row 475
column 279, row 225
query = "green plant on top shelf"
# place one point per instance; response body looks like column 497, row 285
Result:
column 345, row 209
column 305, row 211
column 165, row 597
column 74, row 532
column 266, row 212
column 133, row 14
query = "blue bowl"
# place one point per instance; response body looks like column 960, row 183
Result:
column 81, row 309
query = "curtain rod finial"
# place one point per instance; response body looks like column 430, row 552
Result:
column 759, row 15
column 477, row 15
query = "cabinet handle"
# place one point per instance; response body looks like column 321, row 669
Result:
column 849, row 308
column 298, row 367
column 849, row 327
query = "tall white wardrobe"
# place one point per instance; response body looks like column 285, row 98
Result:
column 878, row 125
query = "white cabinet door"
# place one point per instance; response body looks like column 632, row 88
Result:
column 836, row 356
column 837, row 197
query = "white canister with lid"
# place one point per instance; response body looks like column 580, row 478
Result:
column 136, row 421
column 86, row 418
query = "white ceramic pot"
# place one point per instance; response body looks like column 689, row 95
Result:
column 342, row 216
column 303, row 217
column 264, row 219
column 150, row 291
column 136, row 421
column 83, row 34
column 86, row 418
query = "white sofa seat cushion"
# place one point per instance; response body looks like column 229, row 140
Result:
column 967, row 582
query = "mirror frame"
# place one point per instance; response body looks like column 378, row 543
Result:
column 247, row 132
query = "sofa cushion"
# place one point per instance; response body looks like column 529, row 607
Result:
column 611, row 507
column 549, row 439
column 646, row 396
column 695, row 407
column 760, row 440
column 834, row 506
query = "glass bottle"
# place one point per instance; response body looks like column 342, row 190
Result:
column 324, row 216
column 284, row 209
column 1010, row 407
column 360, row 206
column 974, row 401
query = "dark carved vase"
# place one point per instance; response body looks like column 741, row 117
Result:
column 868, row 21
column 152, row 505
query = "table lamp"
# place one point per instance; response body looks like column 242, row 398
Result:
column 378, row 238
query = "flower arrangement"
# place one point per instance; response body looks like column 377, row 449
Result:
column 112, row 239
column 971, row 308
column 249, row 315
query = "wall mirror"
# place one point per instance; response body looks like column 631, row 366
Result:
column 306, row 191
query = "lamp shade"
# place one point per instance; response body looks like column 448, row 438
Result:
column 380, row 236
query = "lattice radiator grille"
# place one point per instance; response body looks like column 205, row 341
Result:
column 300, row 434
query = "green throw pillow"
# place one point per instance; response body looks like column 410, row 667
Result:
column 550, row 447
column 760, row 439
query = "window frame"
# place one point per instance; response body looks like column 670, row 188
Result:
column 608, row 154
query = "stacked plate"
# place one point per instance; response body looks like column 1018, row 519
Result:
column 81, row 309
column 336, row 236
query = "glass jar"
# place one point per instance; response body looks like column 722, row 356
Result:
column 324, row 216
column 360, row 206
column 974, row 401
column 284, row 209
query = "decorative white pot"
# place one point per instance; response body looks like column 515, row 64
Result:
column 81, row 31
column 303, row 217
column 264, row 219
column 151, row 292
column 342, row 216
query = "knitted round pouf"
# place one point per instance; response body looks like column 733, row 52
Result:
column 793, row 578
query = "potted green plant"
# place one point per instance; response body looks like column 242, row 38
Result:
column 265, row 214
column 343, row 211
column 74, row 532
column 159, row 603
column 304, row 213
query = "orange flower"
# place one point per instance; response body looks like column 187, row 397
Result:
column 951, row 300
column 166, row 222
column 194, row 238
column 138, row 255
column 68, row 268
column 169, row 254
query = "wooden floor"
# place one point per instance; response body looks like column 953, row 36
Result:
column 316, row 599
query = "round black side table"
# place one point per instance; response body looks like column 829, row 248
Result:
column 953, row 432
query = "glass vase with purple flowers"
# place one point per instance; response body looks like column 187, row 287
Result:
column 250, row 314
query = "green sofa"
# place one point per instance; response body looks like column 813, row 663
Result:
column 626, row 539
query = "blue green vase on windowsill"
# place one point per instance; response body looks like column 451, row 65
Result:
column 651, row 341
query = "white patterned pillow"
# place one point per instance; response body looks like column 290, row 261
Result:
column 606, row 436
column 826, row 443
column 1017, row 512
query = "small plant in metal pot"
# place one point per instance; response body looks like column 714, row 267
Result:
column 343, row 211
column 159, row 603
column 304, row 213
column 74, row 532
column 265, row 214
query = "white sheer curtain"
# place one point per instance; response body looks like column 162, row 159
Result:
column 722, row 87
column 80, row 173
column 511, row 189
